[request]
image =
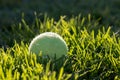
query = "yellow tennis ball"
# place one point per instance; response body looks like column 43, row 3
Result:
column 50, row 44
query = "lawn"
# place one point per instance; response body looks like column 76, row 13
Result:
column 91, row 31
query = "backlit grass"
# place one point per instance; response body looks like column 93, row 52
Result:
column 94, row 51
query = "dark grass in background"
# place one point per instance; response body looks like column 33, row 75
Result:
column 107, row 10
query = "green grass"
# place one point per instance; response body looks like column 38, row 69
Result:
column 94, row 51
column 94, row 46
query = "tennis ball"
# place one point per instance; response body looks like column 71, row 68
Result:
column 50, row 44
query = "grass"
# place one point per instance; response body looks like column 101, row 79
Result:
column 94, row 51
column 107, row 10
column 94, row 46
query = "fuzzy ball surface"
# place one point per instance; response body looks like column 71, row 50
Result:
column 50, row 44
